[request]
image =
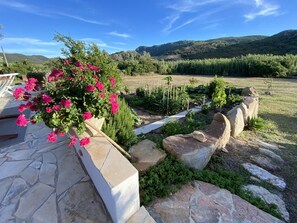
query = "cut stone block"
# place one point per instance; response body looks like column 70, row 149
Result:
column 236, row 119
column 265, row 175
column 114, row 176
column 146, row 155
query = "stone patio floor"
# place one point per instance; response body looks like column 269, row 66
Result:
column 45, row 182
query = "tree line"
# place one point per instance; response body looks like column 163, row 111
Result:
column 251, row 65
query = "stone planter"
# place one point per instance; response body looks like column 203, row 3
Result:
column 114, row 177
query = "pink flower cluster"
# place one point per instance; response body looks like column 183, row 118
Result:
column 31, row 84
column 50, row 105
column 114, row 103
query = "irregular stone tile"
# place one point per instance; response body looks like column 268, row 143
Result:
column 32, row 200
column 12, row 168
column 50, row 146
column 20, row 154
column 4, row 186
column 85, row 178
column 265, row 175
column 203, row 202
column 18, row 186
column 70, row 172
column 267, row 145
column 47, row 174
column 82, row 204
column 47, row 211
column 271, row 154
column 246, row 213
column 36, row 164
column 2, row 160
column 2, row 155
column 49, row 158
column 42, row 133
column 142, row 216
column 30, row 175
column 146, row 154
column 269, row 198
column 264, row 162
column 6, row 213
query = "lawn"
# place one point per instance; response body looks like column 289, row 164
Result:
column 279, row 110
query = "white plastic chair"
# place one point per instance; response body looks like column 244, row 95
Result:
column 6, row 81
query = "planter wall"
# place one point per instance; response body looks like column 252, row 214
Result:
column 114, row 177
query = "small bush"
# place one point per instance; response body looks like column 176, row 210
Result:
column 38, row 75
column 119, row 127
column 256, row 124
column 140, row 92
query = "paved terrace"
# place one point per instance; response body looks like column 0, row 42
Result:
column 45, row 182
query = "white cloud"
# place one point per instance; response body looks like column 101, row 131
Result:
column 123, row 35
column 100, row 43
column 190, row 5
column 27, row 41
column 262, row 8
column 40, row 12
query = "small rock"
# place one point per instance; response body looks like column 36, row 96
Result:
column 193, row 153
column 269, row 198
column 267, row 145
column 271, row 154
column 146, row 155
column 264, row 162
column 265, row 175
column 198, row 135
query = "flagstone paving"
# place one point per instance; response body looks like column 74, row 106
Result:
column 45, row 182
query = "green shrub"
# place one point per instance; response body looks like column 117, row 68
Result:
column 119, row 127
column 218, row 96
column 256, row 123
column 140, row 92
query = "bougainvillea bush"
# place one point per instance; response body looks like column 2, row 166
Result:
column 83, row 85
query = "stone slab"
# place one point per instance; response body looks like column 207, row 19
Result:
column 17, row 188
column 264, row 175
column 269, row 198
column 47, row 211
column 13, row 168
column 271, row 154
column 32, row 200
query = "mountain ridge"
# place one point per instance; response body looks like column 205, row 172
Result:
column 284, row 42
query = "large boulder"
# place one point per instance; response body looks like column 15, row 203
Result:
column 193, row 153
column 236, row 119
column 220, row 129
column 252, row 104
column 245, row 112
column 146, row 155
column 249, row 91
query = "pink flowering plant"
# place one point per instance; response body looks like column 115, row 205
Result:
column 80, row 88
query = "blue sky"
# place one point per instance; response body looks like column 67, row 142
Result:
column 29, row 26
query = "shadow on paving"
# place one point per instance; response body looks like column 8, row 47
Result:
column 8, row 126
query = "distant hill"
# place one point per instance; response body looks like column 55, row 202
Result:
column 282, row 43
column 35, row 59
